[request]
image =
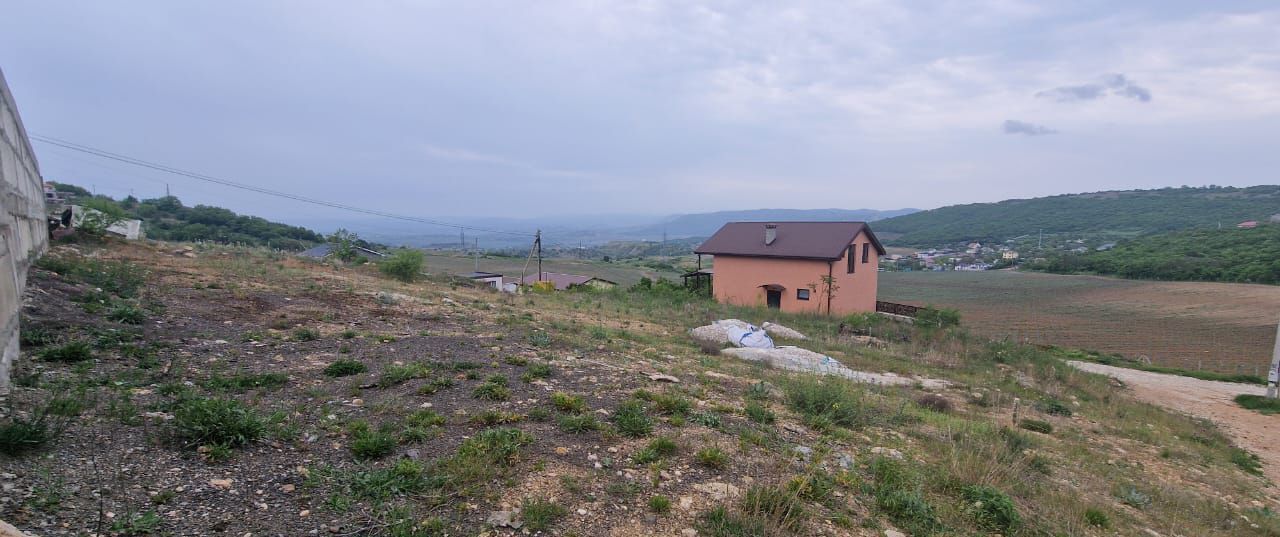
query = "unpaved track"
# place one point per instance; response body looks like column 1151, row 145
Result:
column 1207, row 399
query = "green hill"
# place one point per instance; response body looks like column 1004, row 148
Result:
column 168, row 219
column 1226, row 255
column 1121, row 212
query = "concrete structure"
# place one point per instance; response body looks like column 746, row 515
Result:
column 783, row 265
column 562, row 282
column 489, row 278
column 24, row 229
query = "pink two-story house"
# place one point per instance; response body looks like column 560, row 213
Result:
column 786, row 265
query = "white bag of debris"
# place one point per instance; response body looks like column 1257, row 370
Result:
column 750, row 336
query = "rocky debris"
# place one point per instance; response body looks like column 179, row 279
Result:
column 779, row 331
column 845, row 461
column 894, row 533
column 659, row 377
column 805, row 452
column 887, row 452
column 717, row 491
column 717, row 333
column 505, row 519
column 220, row 484
column 798, row 359
column 868, row 341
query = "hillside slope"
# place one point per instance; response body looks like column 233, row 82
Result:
column 241, row 391
column 1129, row 211
column 705, row 224
column 1217, row 255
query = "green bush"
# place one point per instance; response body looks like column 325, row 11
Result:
column 306, row 334
column 776, row 504
column 490, row 391
column 579, row 423
column 247, row 381
column 712, row 457
column 897, row 493
column 931, row 317
column 345, row 368
column 1053, row 407
column 127, row 314
column 992, row 509
column 1038, row 426
column 404, row 265
column 1097, row 518
column 227, row 422
column 71, row 352
column 659, row 504
column 368, row 443
column 632, row 419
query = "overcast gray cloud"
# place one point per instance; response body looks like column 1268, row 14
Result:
column 570, row 106
column 1110, row 84
column 1013, row 126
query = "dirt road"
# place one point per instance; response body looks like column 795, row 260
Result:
column 1210, row 400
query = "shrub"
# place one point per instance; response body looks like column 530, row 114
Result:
column 827, row 399
column 1053, row 407
column 404, row 265
column 657, row 449
column 1097, row 518
column 425, row 418
column 934, row 402
column 1131, row 496
column 758, row 390
column 712, row 457
column 707, row 419
column 568, row 403
column 396, row 374
column 659, row 504
column 490, row 391
column 127, row 314
column 71, row 352
column 991, row 508
column 203, row 421
column 897, row 493
column 306, row 334
column 539, row 338
column 758, row 413
column 632, row 419
column 345, row 368
column 719, row 522
column 1246, row 461
column 579, row 423
column 538, row 371
column 540, row 514
column 20, row 435
column 1038, row 426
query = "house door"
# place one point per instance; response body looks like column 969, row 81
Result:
column 773, row 298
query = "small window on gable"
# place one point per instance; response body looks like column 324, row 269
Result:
column 802, row 294
column 866, row 251
column 849, row 260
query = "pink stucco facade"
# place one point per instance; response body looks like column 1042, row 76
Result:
column 740, row 280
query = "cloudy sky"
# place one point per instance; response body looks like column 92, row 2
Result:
column 540, row 108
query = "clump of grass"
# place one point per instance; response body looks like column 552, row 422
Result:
column 70, row 352
column 345, row 368
column 579, row 423
column 828, row 400
column 496, row 417
column 396, row 374
column 669, row 404
column 991, row 508
column 1053, row 407
column 720, row 522
column 540, row 514
column 707, row 419
column 37, row 336
column 247, row 381
column 1259, row 403
column 226, row 422
column 632, row 419
column 539, row 338
column 516, row 360
column 898, row 494
column 660, row 504
column 491, row 391
column 537, row 371
column 425, row 418
column 306, row 334
column 781, row 507
column 1038, row 426
column 145, row 523
column 658, row 449
column 572, row 404
column 369, row 443
column 127, row 314
column 758, row 391
column 1131, row 496
column 759, row 413
column 1097, row 518
column 21, row 435
column 1246, row 461
column 712, row 457
column 435, row 385
column 934, row 402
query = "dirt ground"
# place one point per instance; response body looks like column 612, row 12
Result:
column 1207, row 399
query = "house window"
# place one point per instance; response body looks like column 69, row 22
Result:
column 849, row 259
column 802, row 294
column 866, row 251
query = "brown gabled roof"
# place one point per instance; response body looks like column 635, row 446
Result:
column 797, row 240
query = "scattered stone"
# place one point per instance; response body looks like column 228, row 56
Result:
column 659, row 377
column 288, row 488
column 686, row 503
column 717, row 491
column 777, row 330
column 894, row 533
column 803, row 451
column 845, row 461
column 688, row 532
column 562, row 451
column 505, row 519
column 220, row 484
column 887, row 452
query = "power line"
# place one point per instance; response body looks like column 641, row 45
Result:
column 225, row 182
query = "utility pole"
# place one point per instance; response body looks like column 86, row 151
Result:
column 1273, row 374
column 166, row 190
column 477, row 253
column 1040, row 242
column 537, row 242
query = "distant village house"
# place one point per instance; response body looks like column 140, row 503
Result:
column 783, row 265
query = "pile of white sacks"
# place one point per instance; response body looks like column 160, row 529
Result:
column 755, row 344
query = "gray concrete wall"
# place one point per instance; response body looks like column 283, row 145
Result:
column 24, row 233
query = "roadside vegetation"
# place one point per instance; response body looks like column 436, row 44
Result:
column 349, row 402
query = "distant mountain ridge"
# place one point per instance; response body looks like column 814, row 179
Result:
column 1120, row 211
column 705, row 224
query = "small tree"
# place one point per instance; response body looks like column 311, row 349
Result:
column 344, row 245
column 99, row 214
column 404, row 265
column 828, row 292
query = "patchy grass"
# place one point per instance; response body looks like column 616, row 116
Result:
column 68, row 353
column 227, row 422
column 632, row 419
column 345, row 368
column 541, row 514
column 1258, row 402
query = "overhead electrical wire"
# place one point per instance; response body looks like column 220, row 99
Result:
column 225, row 182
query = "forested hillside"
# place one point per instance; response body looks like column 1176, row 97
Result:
column 1227, row 255
column 1132, row 211
column 167, row 218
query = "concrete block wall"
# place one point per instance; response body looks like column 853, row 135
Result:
column 24, row 232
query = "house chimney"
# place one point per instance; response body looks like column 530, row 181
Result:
column 770, row 233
